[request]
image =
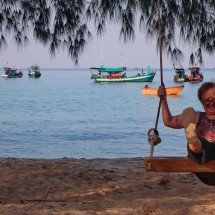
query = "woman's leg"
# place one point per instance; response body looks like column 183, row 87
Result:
column 207, row 154
column 199, row 150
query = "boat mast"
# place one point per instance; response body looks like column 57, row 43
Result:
column 121, row 59
column 101, row 53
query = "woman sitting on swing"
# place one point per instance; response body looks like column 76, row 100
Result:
column 199, row 127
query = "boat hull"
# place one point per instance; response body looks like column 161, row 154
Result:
column 141, row 78
column 34, row 74
column 169, row 90
column 180, row 80
column 11, row 76
column 195, row 80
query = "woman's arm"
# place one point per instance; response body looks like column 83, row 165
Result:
column 175, row 121
column 168, row 119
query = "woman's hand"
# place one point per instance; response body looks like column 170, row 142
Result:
column 161, row 92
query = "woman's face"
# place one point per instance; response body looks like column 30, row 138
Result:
column 210, row 106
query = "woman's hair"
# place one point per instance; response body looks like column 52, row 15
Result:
column 205, row 87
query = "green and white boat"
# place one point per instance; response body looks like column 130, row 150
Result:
column 118, row 74
column 34, row 72
column 180, row 75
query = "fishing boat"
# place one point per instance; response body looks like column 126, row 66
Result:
column 176, row 90
column 12, row 73
column 195, row 75
column 118, row 74
column 34, row 72
column 180, row 75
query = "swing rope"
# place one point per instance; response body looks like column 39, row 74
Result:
column 153, row 138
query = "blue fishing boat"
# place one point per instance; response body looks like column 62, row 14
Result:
column 12, row 73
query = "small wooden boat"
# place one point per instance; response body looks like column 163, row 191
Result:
column 176, row 90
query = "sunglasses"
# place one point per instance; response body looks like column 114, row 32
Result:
column 208, row 101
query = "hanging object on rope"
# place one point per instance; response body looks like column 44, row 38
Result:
column 153, row 138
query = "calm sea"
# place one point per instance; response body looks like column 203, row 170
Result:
column 65, row 114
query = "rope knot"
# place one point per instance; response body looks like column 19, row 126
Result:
column 153, row 138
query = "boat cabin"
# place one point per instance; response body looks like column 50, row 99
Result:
column 104, row 72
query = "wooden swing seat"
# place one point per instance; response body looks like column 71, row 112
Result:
column 176, row 164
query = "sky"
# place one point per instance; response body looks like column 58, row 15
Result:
column 108, row 51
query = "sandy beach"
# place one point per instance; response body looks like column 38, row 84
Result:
column 98, row 186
